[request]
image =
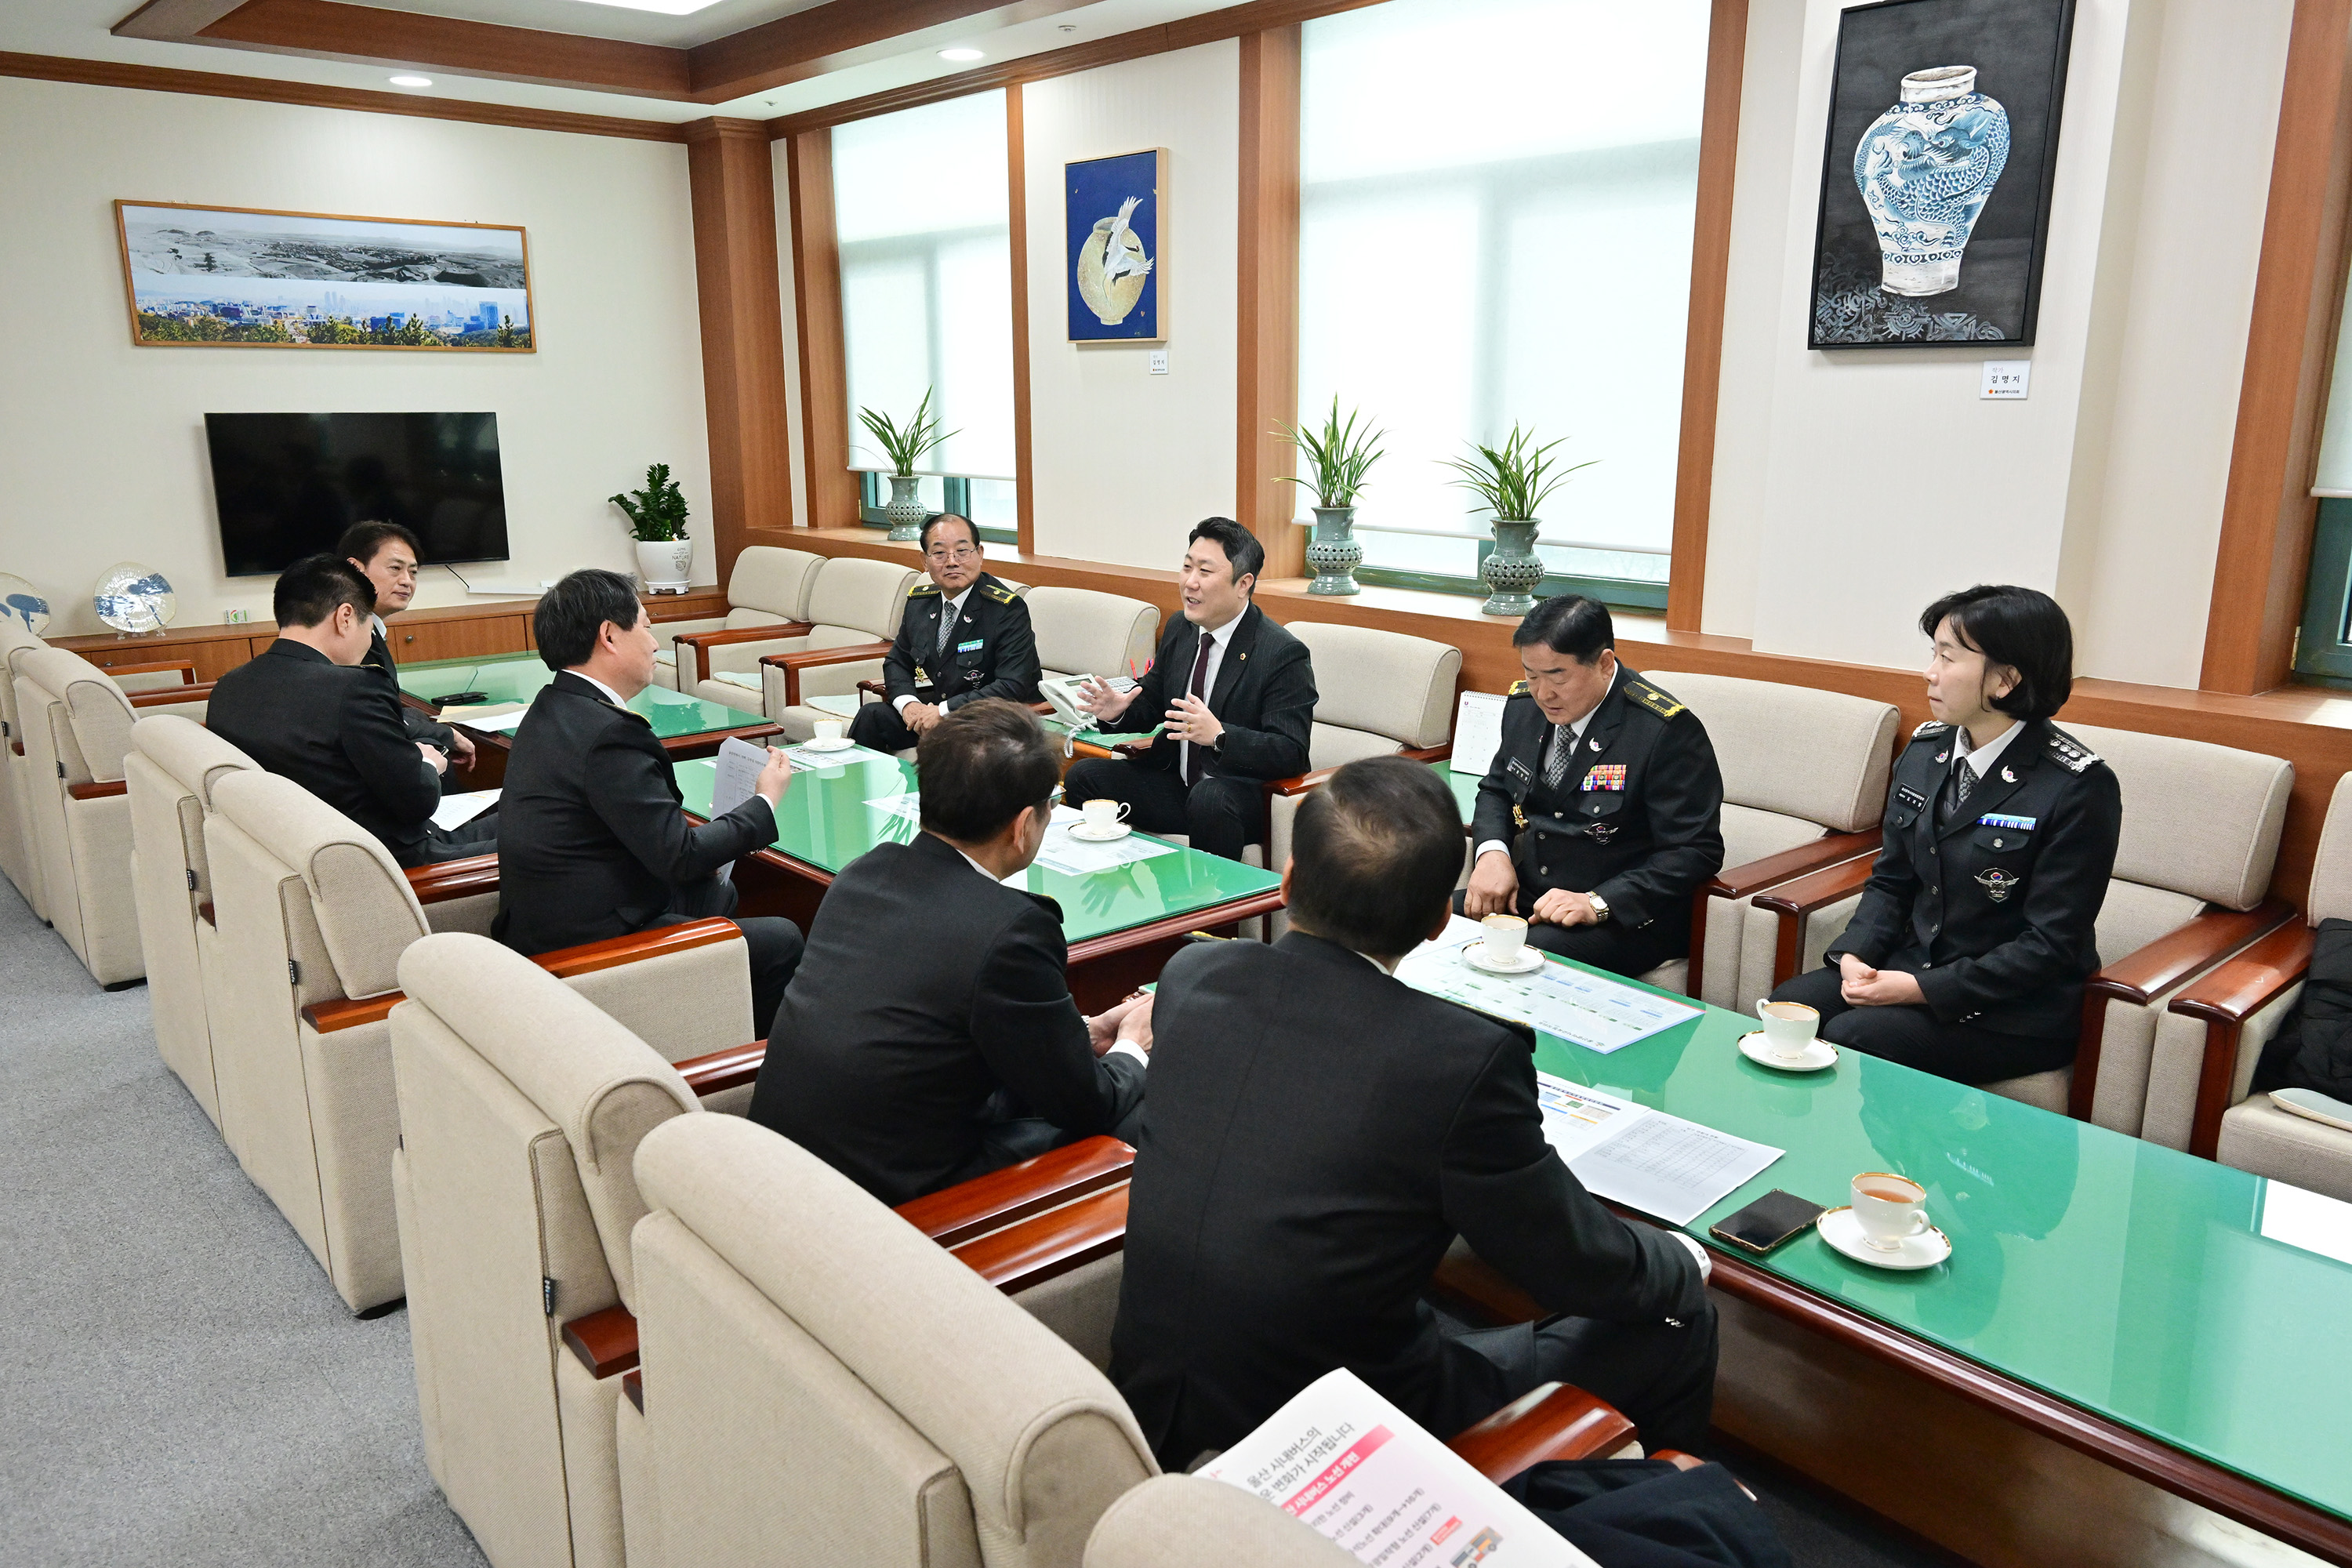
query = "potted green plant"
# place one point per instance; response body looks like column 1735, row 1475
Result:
column 904, row 446
column 1341, row 455
column 1513, row 480
column 657, row 522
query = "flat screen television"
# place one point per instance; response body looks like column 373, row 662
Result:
column 288, row 484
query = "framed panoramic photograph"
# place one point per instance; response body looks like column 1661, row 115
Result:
column 1943, row 139
column 246, row 277
column 1115, row 214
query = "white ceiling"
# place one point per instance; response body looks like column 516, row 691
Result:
column 597, row 21
column 78, row 29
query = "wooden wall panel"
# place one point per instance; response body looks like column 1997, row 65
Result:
column 1016, row 191
column 1267, row 298
column 2267, row 512
column 824, row 369
column 732, row 181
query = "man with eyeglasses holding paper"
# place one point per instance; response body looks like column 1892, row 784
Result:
column 965, row 635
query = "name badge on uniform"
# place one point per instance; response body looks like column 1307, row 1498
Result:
column 1995, row 819
column 1910, row 797
column 972, row 646
column 1605, row 775
column 1517, row 768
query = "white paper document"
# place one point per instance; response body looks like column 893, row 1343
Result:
column 734, row 771
column 908, row 806
column 1076, row 857
column 1477, row 732
column 505, row 723
column 802, row 758
column 1644, row 1159
column 1368, row 1478
column 1601, row 1015
column 457, row 810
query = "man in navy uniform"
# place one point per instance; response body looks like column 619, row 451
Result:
column 1601, row 818
column 965, row 635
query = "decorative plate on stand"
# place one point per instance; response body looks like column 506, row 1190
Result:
column 134, row 598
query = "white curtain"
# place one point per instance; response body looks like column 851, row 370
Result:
column 1495, row 216
column 919, row 204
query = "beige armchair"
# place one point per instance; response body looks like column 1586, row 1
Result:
column 854, row 610
column 19, row 856
column 1082, row 632
column 171, row 768
column 77, row 727
column 766, row 588
column 2212, row 1034
column 1188, row 1522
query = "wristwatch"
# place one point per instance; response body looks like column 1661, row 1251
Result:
column 1600, row 908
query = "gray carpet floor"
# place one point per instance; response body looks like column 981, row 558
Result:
column 183, row 1386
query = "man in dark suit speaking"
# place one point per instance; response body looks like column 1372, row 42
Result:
column 593, row 841
column 929, row 1035
column 1319, row 1132
column 1237, row 693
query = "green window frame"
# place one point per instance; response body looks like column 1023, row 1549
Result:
column 955, row 490
column 1617, row 593
column 2323, row 648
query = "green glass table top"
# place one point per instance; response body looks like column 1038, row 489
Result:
column 518, row 676
column 825, row 821
column 1464, row 785
column 2197, row 1304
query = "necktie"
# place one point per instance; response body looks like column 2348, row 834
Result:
column 1196, row 758
column 1956, row 788
column 1563, row 749
column 947, row 627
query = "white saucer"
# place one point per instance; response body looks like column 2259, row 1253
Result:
column 1530, row 959
column 1843, row 1232
column 1818, row 1055
column 1117, row 830
column 841, row 744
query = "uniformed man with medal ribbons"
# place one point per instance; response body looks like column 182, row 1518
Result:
column 964, row 635
column 1601, row 818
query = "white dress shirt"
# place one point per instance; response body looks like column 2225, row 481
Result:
column 1575, row 733
column 610, row 695
column 954, row 612
column 1981, row 758
column 1219, row 640
column 1128, row 1047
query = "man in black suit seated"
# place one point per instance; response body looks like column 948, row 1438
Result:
column 929, row 1035
column 386, row 555
column 1319, row 1132
column 1238, row 695
column 594, row 841
column 964, row 637
column 311, row 709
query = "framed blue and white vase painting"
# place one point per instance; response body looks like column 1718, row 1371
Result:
column 1943, row 140
column 1115, row 216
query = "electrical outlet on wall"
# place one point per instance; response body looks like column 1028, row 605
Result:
column 1159, row 362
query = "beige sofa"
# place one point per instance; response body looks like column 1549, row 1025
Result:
column 853, row 612
column 1186, row 1521
column 77, row 725
column 767, row 587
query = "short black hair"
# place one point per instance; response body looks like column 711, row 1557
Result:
column 307, row 592
column 362, row 540
column 570, row 613
column 1570, row 623
column 1374, row 854
column 2022, row 627
column 936, row 518
column 980, row 766
column 1242, row 550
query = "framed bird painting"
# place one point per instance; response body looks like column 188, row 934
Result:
column 1116, row 214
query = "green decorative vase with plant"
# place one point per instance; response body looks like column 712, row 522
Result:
column 905, row 445
column 657, row 522
column 1513, row 480
column 1341, row 455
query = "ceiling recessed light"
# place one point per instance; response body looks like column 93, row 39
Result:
column 961, row 55
column 411, row 81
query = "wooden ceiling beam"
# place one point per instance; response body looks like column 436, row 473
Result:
column 845, row 33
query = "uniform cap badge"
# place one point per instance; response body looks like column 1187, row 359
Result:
column 1998, row 884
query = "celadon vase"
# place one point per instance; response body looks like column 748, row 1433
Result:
column 1927, row 168
column 1333, row 553
column 1511, row 569
column 906, row 511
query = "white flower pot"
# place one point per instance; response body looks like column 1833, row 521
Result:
column 665, row 565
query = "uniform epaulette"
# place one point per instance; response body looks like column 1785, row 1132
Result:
column 2068, row 752
column 1518, row 688
column 1649, row 697
column 1932, row 727
column 999, row 593
column 921, row 588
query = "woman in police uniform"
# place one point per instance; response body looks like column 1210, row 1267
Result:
column 1968, row 953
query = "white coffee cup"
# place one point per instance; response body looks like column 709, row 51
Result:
column 1102, row 815
column 1889, row 1208
column 830, row 729
column 1788, row 1027
column 1507, row 935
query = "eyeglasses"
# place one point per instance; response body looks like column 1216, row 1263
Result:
column 960, row 552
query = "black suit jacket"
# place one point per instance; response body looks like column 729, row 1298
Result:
column 1637, row 818
column 335, row 730
column 1263, row 695
column 421, row 726
column 1994, row 908
column 925, row 988
column 593, row 837
column 991, row 653
column 1317, row 1133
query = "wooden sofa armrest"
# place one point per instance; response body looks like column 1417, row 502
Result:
column 881, row 693
column 703, row 642
column 733, row 1068
column 186, row 668
column 98, row 790
column 1054, row 1243
column 632, row 1384
column 455, row 879
column 606, row 1342
column 1741, row 881
column 1554, row 1421
column 564, row 963
column 1793, row 901
column 172, row 695
column 2139, row 977
column 791, row 664
column 1299, row 784
column 2234, row 992
column 971, row 1209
